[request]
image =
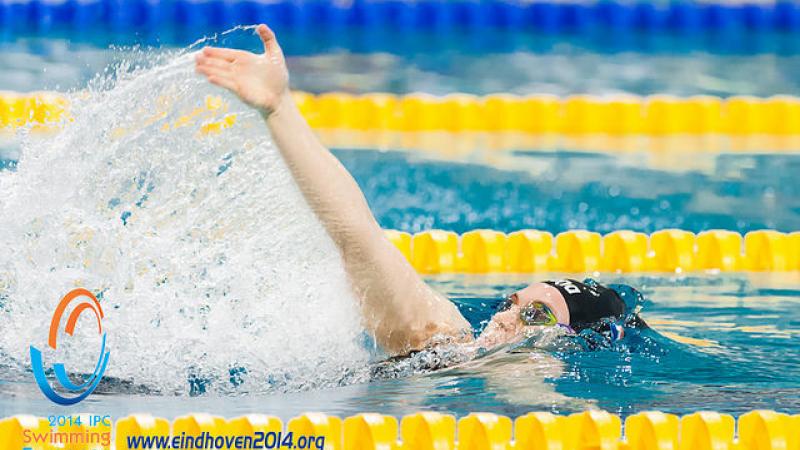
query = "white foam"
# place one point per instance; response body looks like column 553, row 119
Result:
column 213, row 272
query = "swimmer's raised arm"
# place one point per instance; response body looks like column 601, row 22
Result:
column 399, row 309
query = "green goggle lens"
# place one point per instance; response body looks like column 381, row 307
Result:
column 537, row 314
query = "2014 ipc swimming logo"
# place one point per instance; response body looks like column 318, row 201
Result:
column 85, row 301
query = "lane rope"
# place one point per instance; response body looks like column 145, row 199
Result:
column 578, row 115
column 684, row 17
column 581, row 251
column 761, row 429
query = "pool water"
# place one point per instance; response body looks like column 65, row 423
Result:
column 559, row 190
column 224, row 294
column 739, row 352
column 727, row 342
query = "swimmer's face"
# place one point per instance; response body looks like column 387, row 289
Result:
column 508, row 326
column 513, row 322
column 504, row 327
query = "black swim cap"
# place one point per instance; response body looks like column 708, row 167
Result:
column 589, row 302
column 633, row 298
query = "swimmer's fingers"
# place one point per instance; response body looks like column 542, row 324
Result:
column 209, row 70
column 223, row 82
column 227, row 54
column 220, row 77
column 267, row 36
column 205, row 61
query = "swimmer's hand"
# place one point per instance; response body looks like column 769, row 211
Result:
column 261, row 81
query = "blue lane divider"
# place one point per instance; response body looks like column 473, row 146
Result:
column 546, row 16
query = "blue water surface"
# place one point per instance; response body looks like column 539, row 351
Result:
column 719, row 342
column 558, row 191
column 726, row 342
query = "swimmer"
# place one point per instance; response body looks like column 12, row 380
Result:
column 399, row 309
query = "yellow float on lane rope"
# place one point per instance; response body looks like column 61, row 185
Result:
column 581, row 251
column 761, row 429
column 576, row 115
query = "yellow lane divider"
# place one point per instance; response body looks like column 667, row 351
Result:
column 527, row 251
column 576, row 115
column 707, row 430
column 543, row 114
column 18, row 110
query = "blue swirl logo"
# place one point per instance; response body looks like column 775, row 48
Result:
column 85, row 301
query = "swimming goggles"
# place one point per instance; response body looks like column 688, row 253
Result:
column 536, row 313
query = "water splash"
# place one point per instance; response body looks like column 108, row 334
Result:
column 166, row 196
